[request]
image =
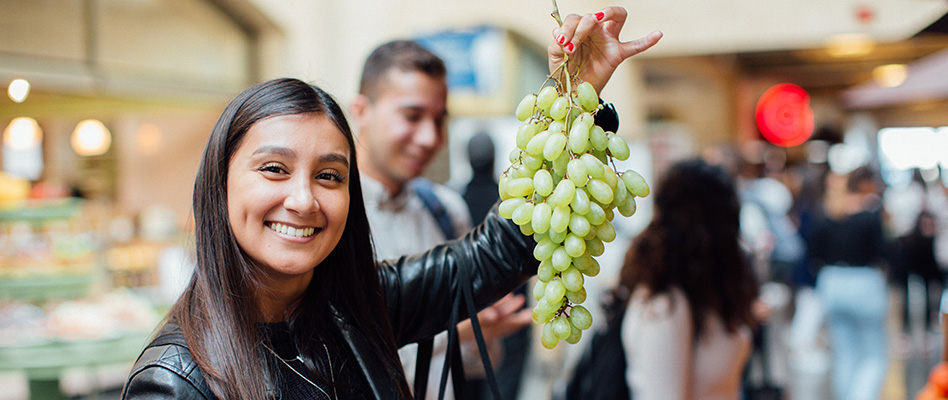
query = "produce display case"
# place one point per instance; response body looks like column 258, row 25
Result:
column 57, row 306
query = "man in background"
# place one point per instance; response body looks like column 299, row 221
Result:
column 400, row 116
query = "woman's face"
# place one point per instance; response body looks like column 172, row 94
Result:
column 288, row 193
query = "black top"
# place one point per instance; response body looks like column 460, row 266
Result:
column 335, row 376
column 854, row 240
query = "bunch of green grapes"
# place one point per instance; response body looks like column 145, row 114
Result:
column 562, row 188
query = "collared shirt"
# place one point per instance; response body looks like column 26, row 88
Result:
column 402, row 225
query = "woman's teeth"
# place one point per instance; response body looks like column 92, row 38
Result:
column 291, row 231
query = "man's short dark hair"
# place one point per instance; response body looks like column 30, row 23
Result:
column 405, row 55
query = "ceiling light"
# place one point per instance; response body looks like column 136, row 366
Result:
column 18, row 90
column 891, row 75
column 91, row 138
column 850, row 45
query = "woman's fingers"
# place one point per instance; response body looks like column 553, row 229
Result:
column 639, row 45
column 612, row 18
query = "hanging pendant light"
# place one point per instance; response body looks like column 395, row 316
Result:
column 91, row 138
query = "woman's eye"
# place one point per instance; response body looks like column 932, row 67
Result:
column 331, row 175
column 272, row 168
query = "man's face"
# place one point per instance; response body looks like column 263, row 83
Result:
column 402, row 129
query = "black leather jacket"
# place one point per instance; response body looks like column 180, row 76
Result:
column 419, row 291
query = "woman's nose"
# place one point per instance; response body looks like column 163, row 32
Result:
column 301, row 200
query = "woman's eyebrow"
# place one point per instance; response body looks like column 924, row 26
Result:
column 278, row 150
column 333, row 157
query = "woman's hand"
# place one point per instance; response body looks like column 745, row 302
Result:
column 592, row 43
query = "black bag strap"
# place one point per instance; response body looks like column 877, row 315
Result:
column 425, row 190
column 453, row 362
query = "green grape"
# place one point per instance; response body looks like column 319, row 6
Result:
column 545, row 271
column 541, row 217
column 546, row 309
column 575, row 246
column 523, row 214
column 562, row 194
column 594, row 167
column 554, row 146
column 547, row 338
column 609, row 214
column 557, row 127
column 543, row 182
column 618, row 148
column 592, row 232
column 595, row 247
column 599, row 190
column 561, row 260
column 580, row 317
column 539, row 289
column 576, row 171
column 592, row 269
column 627, row 208
column 579, row 225
column 554, row 291
column 535, row 145
column 586, row 119
column 502, row 187
column 606, row 232
column 577, row 297
column 531, row 162
column 561, row 327
column 560, row 219
column 582, row 262
column 596, row 214
column 560, row 164
column 546, row 97
column 580, row 202
column 525, row 133
column 514, row 155
column 598, row 138
column 508, row 206
column 635, row 183
column 575, row 335
column 544, row 249
column 557, row 237
column 586, row 94
column 525, row 108
column 520, row 187
column 526, row 229
column 620, row 194
column 572, row 279
column 578, row 138
column 559, row 108
column 610, row 178
column 541, row 317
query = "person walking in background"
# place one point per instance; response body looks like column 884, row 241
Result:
column 847, row 246
column 480, row 193
column 689, row 318
column 400, row 115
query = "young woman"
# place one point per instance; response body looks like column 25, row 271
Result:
column 686, row 330
column 286, row 300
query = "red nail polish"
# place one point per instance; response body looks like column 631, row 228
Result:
column 569, row 46
column 561, row 39
column 600, row 15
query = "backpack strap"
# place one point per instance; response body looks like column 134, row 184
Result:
column 425, row 190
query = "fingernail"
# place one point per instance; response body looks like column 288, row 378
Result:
column 600, row 15
column 569, row 46
column 561, row 39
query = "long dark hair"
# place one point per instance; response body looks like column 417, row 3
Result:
column 218, row 313
column 692, row 244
